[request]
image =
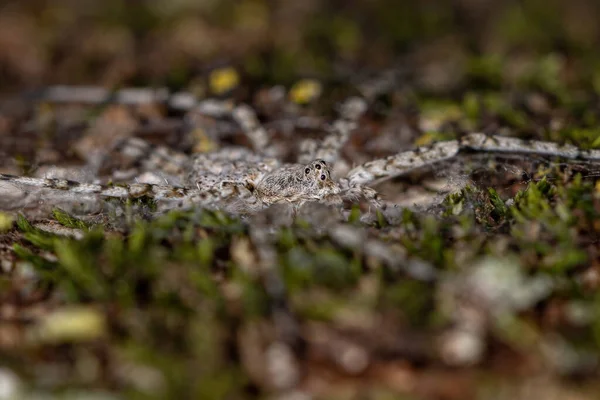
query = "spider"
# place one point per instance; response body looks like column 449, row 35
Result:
column 234, row 178
column 241, row 180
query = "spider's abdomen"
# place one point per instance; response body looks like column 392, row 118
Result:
column 280, row 185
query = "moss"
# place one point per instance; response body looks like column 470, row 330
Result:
column 413, row 299
column 174, row 294
column 543, row 224
column 486, row 71
column 470, row 200
column 586, row 138
column 381, row 221
column 500, row 211
column 427, row 238
column 69, row 221
column 304, row 266
column 545, row 75
column 35, row 236
column 45, row 268
column 472, row 106
column 354, row 217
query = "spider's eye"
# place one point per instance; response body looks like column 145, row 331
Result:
column 317, row 166
column 323, row 177
column 307, row 170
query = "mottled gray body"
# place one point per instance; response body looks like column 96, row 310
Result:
column 214, row 180
column 297, row 184
column 233, row 178
column 253, row 179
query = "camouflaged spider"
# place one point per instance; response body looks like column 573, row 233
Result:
column 297, row 184
column 234, row 178
column 238, row 186
column 243, row 181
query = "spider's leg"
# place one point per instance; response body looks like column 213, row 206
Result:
column 127, row 191
column 401, row 163
column 329, row 147
column 133, row 156
column 353, row 192
column 245, row 116
column 296, row 208
column 350, row 112
column 232, row 163
column 479, row 142
column 240, row 189
column 370, row 195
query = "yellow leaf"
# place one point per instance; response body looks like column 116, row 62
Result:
column 306, row 90
column 223, row 80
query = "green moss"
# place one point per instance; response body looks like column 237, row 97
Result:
column 500, row 211
column 354, row 217
column 533, row 202
column 69, row 221
column 322, row 265
column 545, row 225
column 427, row 238
column 175, row 290
column 587, row 138
column 472, row 106
column 35, row 236
column 414, row 300
column 381, row 221
column 470, row 200
column 486, row 71
column 45, row 268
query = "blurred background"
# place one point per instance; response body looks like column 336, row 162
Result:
column 446, row 45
